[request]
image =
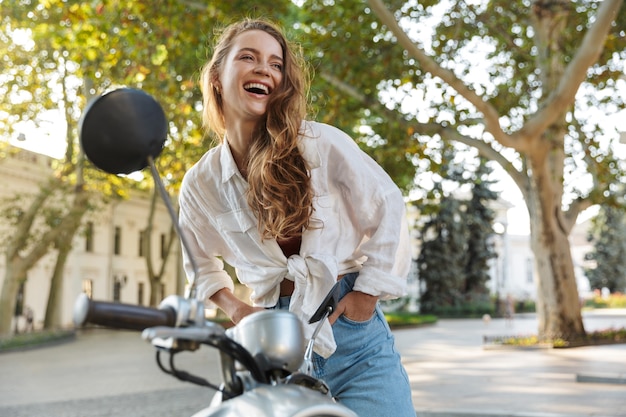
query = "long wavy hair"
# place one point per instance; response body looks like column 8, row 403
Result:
column 280, row 192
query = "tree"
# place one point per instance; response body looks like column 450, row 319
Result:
column 59, row 55
column 609, row 251
column 457, row 235
column 443, row 243
column 511, row 80
column 155, row 275
column 479, row 217
column 444, row 240
column 52, row 216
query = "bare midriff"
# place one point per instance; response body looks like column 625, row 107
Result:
column 290, row 246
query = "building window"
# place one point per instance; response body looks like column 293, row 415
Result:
column 19, row 300
column 140, row 292
column 142, row 243
column 89, row 237
column 117, row 289
column 160, row 291
column 163, row 245
column 117, row 241
column 88, row 287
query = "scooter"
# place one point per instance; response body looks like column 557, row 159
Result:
column 266, row 363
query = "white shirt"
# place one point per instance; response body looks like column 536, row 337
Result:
column 360, row 210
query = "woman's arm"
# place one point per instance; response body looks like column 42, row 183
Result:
column 234, row 308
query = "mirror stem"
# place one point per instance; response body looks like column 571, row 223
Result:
column 191, row 290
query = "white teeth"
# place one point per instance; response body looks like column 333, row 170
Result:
column 257, row 86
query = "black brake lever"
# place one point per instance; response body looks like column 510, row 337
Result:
column 328, row 304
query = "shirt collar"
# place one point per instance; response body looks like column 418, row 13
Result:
column 229, row 167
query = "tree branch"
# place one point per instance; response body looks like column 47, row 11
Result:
column 67, row 226
column 491, row 115
column 486, row 150
column 576, row 72
column 432, row 129
column 571, row 214
column 25, row 223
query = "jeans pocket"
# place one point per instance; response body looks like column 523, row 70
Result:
column 355, row 323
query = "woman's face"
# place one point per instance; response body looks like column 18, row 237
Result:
column 252, row 71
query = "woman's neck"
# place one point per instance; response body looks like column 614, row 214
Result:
column 239, row 137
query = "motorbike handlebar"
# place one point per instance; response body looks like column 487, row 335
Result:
column 121, row 316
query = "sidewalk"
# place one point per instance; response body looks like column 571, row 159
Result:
column 453, row 375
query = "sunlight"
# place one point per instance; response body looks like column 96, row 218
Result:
column 48, row 138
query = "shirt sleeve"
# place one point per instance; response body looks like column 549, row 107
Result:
column 203, row 240
column 376, row 209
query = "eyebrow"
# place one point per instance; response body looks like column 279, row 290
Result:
column 256, row 51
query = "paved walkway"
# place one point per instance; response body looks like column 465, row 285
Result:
column 453, row 375
column 451, row 372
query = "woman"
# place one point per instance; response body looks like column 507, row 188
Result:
column 295, row 206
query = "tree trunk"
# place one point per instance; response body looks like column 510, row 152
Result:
column 558, row 305
column 54, row 309
column 15, row 274
column 155, row 277
column 71, row 223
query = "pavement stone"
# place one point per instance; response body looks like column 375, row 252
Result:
column 104, row 373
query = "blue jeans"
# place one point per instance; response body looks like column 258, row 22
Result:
column 365, row 373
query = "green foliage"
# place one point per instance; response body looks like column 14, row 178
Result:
column 479, row 218
column 60, row 55
column 525, row 306
column 398, row 108
column 465, row 309
column 609, row 250
column 616, row 300
column 598, row 337
column 457, row 242
column 442, row 257
column 355, row 61
column 396, row 320
column 98, row 46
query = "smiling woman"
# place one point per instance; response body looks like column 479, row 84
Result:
column 297, row 208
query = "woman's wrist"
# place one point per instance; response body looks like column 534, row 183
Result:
column 232, row 306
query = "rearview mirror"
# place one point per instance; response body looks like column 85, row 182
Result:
column 121, row 129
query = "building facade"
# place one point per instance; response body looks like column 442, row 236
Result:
column 107, row 260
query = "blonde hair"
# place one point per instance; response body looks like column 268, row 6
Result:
column 280, row 192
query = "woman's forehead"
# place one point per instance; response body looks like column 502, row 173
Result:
column 259, row 41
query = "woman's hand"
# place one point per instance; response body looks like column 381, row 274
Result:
column 356, row 306
column 234, row 308
column 242, row 311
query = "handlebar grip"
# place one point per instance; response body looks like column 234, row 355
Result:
column 119, row 315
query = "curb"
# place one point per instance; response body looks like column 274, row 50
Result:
column 460, row 413
column 602, row 378
column 54, row 341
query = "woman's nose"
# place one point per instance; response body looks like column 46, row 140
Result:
column 262, row 68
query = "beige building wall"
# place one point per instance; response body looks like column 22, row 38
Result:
column 96, row 270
